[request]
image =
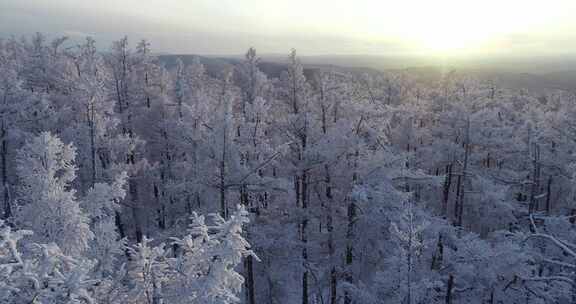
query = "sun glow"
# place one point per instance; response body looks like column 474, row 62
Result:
column 461, row 26
column 443, row 36
column 442, row 27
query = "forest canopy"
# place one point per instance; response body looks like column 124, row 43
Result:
column 128, row 179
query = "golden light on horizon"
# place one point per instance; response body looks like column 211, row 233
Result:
column 459, row 26
column 443, row 27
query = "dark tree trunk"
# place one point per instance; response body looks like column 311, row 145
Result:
column 133, row 190
column 333, row 286
column 330, row 228
column 249, row 269
column 351, row 215
column 438, row 257
column 447, row 186
column 549, row 195
column 533, row 205
column 349, row 247
column 222, row 186
column 459, row 210
column 249, row 261
column 492, row 299
column 457, row 201
column 7, row 206
column 119, row 225
column 449, row 288
column 92, row 143
column 304, row 237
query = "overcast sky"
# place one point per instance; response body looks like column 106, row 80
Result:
column 377, row 27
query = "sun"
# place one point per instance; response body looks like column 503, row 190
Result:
column 445, row 38
column 452, row 26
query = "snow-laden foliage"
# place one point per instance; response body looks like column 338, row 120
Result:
column 102, row 203
column 48, row 206
column 355, row 186
column 207, row 258
column 197, row 268
column 201, row 270
column 45, row 275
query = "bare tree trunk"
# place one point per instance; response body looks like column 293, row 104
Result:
column 447, row 185
column 549, row 195
column 92, row 142
column 333, row 286
column 492, row 298
column 249, row 269
column 457, row 201
column 409, row 262
column 304, row 237
column 165, row 174
column 304, row 225
column 7, row 206
column 449, row 288
column 134, row 196
column 351, row 215
column 462, row 178
column 119, row 225
column 248, row 261
column 533, row 205
column 161, row 220
column 222, row 186
column 330, row 228
column 297, row 189
column 438, row 257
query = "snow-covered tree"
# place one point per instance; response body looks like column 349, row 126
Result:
column 199, row 268
column 207, row 259
column 102, row 202
column 337, row 169
column 45, row 275
column 47, row 204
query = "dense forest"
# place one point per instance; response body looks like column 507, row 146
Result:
column 126, row 180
